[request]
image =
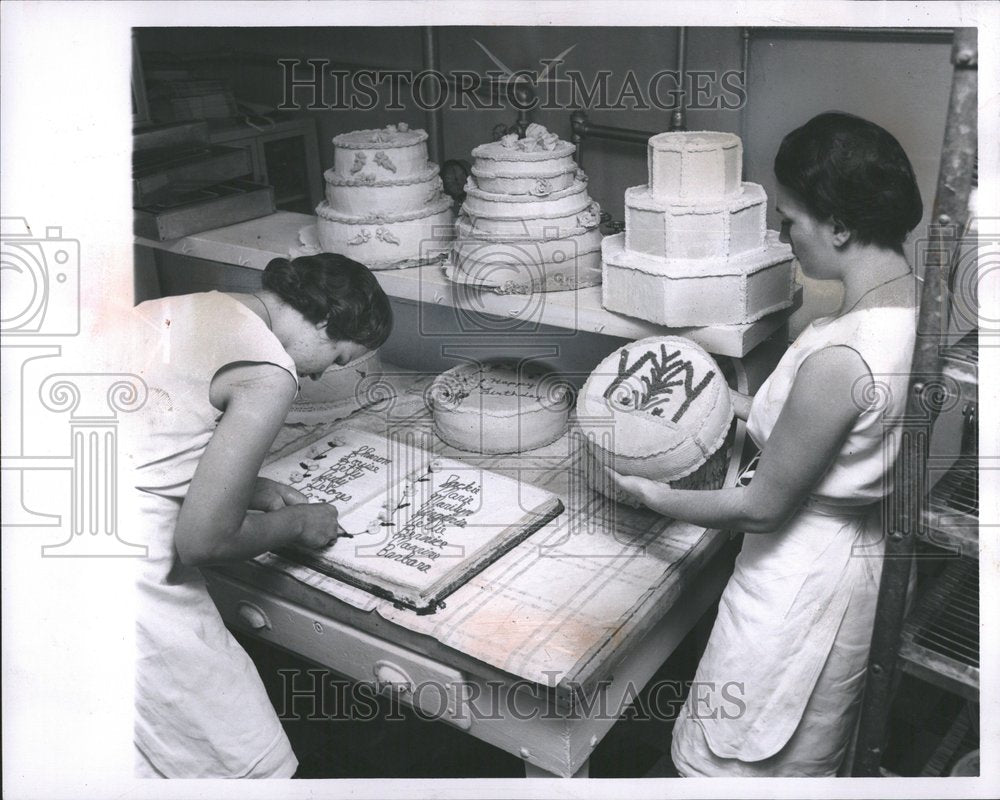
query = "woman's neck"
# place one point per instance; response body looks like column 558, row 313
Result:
column 263, row 303
column 875, row 274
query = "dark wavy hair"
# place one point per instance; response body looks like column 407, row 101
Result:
column 334, row 289
column 846, row 168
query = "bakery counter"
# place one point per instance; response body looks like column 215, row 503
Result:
column 232, row 258
column 541, row 652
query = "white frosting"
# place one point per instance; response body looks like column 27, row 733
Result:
column 525, row 267
column 385, row 205
column 499, row 407
column 538, row 164
column 681, row 293
column 417, row 237
column 486, row 215
column 384, row 153
column 418, row 525
column 696, row 250
column 531, row 179
column 383, row 197
column 527, row 223
column 718, row 229
column 657, row 408
column 694, row 165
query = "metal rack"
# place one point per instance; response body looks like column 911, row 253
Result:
column 939, row 642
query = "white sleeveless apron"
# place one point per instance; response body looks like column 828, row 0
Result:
column 201, row 709
column 778, row 687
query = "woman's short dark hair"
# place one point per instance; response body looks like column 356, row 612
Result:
column 332, row 288
column 846, row 168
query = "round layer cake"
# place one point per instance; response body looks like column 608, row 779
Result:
column 658, row 408
column 339, row 391
column 384, row 204
column 393, row 151
column 539, row 163
column 499, row 407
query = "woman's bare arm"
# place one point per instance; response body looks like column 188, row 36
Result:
column 741, row 404
column 807, row 436
column 213, row 525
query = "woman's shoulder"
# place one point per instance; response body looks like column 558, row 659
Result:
column 882, row 336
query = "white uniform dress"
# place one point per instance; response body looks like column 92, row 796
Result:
column 778, row 687
column 201, row 709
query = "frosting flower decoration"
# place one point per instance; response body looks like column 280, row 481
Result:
column 535, row 131
column 509, row 141
column 549, row 141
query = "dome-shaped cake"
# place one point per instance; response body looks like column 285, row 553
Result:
column 658, row 408
column 339, row 391
column 499, row 407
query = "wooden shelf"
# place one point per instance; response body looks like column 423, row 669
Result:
column 254, row 244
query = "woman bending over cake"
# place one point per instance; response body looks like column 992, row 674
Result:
column 795, row 620
column 222, row 370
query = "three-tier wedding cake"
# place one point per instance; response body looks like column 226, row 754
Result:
column 696, row 249
column 385, row 206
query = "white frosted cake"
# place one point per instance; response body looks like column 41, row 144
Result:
column 696, row 249
column 499, row 407
column 339, row 391
column 527, row 223
column 419, row 527
column 385, row 205
column 658, row 408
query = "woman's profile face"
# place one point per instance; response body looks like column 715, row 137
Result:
column 314, row 352
column 809, row 237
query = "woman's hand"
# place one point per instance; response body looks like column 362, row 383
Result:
column 638, row 491
column 270, row 495
column 315, row 523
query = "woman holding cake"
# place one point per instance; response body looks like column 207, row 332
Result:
column 222, row 370
column 795, row 620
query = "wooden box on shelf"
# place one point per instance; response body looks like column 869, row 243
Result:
column 283, row 152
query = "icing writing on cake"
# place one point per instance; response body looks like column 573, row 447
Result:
column 421, row 540
column 496, row 386
column 329, row 485
column 668, row 374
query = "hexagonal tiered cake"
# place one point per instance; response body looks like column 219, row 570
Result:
column 696, row 250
